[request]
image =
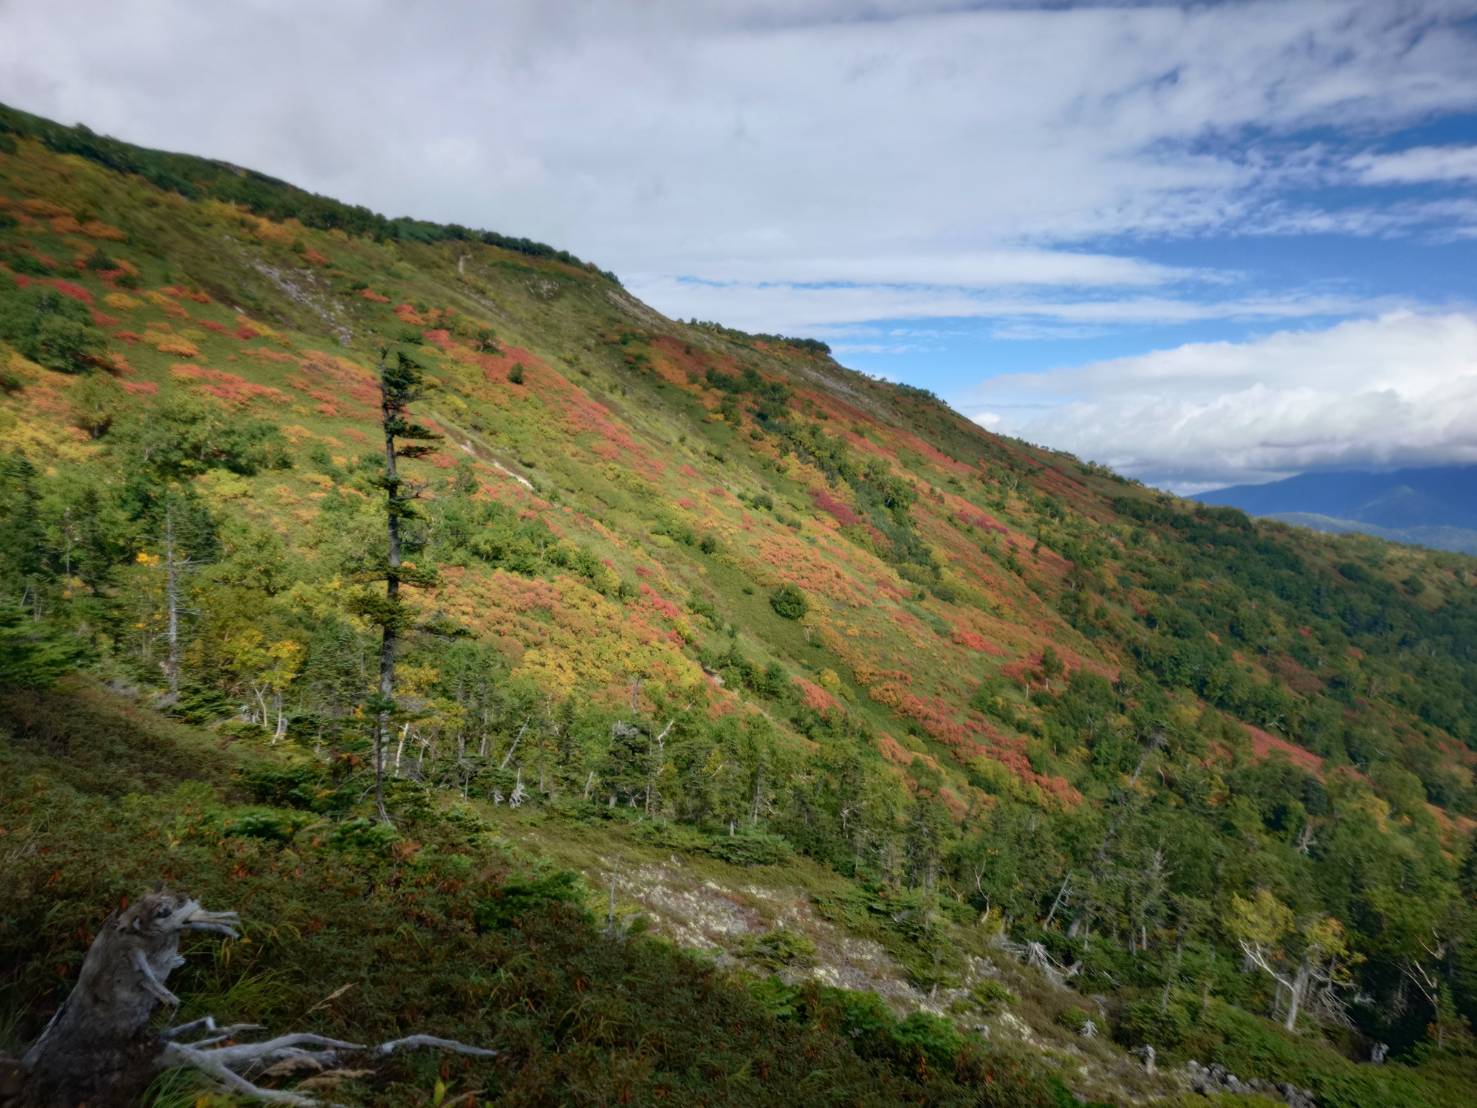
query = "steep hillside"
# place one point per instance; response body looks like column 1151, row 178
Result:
column 712, row 597
column 1435, row 507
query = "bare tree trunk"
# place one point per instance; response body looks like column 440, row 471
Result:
column 656, row 758
column 758, row 801
column 382, row 717
column 171, row 599
column 516, row 738
column 1060, row 897
column 389, row 630
column 400, row 747
column 1296, row 989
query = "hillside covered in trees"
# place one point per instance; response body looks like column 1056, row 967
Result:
column 970, row 770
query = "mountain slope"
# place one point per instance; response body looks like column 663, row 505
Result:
column 1434, row 507
column 717, row 590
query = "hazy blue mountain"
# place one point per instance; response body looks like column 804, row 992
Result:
column 1435, row 506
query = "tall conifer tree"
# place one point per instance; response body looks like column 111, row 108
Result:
column 400, row 381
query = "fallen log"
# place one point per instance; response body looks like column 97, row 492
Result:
column 101, row 1050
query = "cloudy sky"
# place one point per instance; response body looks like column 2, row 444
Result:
column 1203, row 243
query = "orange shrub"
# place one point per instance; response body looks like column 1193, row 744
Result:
column 97, row 229
column 235, row 391
column 180, row 348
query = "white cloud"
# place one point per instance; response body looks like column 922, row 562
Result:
column 1400, row 389
column 1415, row 165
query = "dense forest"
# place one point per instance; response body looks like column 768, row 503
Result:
column 452, row 615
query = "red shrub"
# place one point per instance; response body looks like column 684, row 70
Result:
column 836, row 509
column 975, row 641
column 660, row 603
column 441, row 339
column 76, row 292
column 815, row 697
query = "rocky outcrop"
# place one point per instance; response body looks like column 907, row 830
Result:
column 1215, row 1078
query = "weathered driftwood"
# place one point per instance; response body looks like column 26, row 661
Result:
column 100, row 1050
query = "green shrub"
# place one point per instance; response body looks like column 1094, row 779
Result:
column 1073, row 1018
column 778, row 1000
column 1163, row 1026
column 778, row 948
column 990, row 995
column 751, row 848
column 517, row 897
column 33, row 655
column 52, row 330
column 789, row 602
column 933, row 1037
column 363, row 834
column 515, row 375
column 305, row 787
column 670, row 836
column 268, row 826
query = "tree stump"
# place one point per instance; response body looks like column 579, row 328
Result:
column 99, row 1050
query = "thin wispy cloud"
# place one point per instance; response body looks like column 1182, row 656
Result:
column 1417, row 165
column 788, row 307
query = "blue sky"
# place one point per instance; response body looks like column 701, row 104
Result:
column 1424, row 265
column 1202, row 243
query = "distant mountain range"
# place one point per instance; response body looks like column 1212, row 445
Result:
column 1436, row 506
